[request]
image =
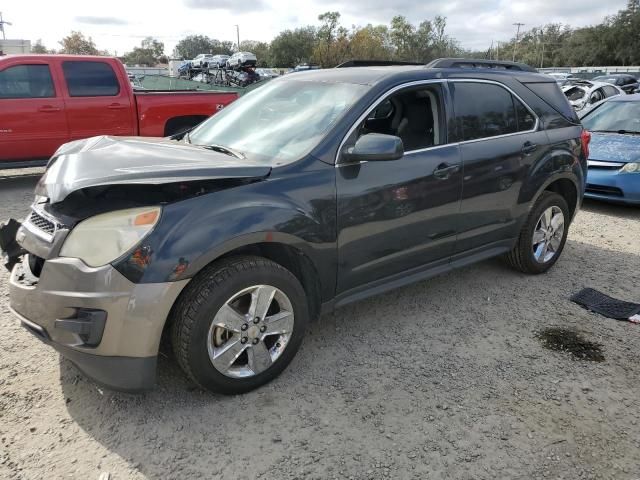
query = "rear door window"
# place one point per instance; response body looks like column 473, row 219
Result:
column 90, row 79
column 26, row 81
column 610, row 91
column 486, row 110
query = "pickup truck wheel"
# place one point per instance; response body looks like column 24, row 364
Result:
column 238, row 324
column 543, row 235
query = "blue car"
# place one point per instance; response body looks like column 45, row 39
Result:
column 614, row 158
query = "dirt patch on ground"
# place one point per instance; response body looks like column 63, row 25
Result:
column 570, row 341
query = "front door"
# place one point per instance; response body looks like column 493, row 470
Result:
column 395, row 216
column 32, row 118
column 96, row 104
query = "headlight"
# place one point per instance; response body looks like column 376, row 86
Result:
column 101, row 239
column 632, row 167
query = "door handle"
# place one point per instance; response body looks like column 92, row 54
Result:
column 529, row 148
column 444, row 171
column 49, row 109
column 116, row 106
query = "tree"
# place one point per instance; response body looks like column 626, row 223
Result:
column 371, row 43
column 291, row 47
column 76, row 44
column 332, row 42
column 149, row 53
column 193, row 45
column 38, row 47
column 402, row 37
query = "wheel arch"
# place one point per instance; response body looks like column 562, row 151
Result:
column 283, row 251
column 566, row 185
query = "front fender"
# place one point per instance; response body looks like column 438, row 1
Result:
column 297, row 210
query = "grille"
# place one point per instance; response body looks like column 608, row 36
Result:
column 47, row 226
column 604, row 165
column 602, row 190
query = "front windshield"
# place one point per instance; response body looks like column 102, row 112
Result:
column 614, row 117
column 279, row 122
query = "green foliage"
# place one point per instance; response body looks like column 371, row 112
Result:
column 615, row 41
column 149, row 53
column 292, row 47
column 193, row 45
column 38, row 47
column 76, row 44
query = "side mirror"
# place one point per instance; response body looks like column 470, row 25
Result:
column 375, row 147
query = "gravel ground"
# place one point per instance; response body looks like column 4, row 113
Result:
column 442, row 379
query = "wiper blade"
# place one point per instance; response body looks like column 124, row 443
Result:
column 225, row 150
column 621, row 132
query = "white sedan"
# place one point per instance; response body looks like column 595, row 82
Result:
column 583, row 93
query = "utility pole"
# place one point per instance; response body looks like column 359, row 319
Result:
column 515, row 45
column 2, row 24
column 542, row 56
column 238, row 35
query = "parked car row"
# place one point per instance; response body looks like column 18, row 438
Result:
column 628, row 83
column 235, row 61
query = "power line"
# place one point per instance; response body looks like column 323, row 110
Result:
column 2, row 24
column 515, row 45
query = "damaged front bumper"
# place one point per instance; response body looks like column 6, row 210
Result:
column 107, row 325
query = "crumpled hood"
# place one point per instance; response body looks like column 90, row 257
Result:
column 614, row 147
column 134, row 160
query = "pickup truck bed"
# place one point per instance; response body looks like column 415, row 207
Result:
column 48, row 100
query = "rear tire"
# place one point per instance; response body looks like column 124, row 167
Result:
column 238, row 324
column 543, row 235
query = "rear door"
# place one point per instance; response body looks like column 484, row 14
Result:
column 32, row 118
column 500, row 141
column 97, row 101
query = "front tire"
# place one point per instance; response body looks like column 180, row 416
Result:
column 238, row 324
column 543, row 235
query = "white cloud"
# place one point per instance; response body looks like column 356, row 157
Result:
column 119, row 25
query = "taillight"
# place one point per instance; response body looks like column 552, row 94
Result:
column 585, row 138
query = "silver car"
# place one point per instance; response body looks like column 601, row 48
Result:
column 202, row 60
column 218, row 61
column 583, row 93
column 242, row 59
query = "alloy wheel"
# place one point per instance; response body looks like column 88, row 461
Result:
column 547, row 236
column 250, row 331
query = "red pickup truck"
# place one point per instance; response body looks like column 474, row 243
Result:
column 48, row 100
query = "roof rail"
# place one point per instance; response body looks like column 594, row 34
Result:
column 479, row 63
column 374, row 63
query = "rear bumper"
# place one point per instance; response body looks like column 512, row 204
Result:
column 105, row 324
column 611, row 186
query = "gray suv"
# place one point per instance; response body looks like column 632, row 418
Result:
column 311, row 192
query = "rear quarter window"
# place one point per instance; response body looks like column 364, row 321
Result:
column 550, row 93
column 90, row 79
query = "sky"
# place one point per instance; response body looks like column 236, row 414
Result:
column 119, row 25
